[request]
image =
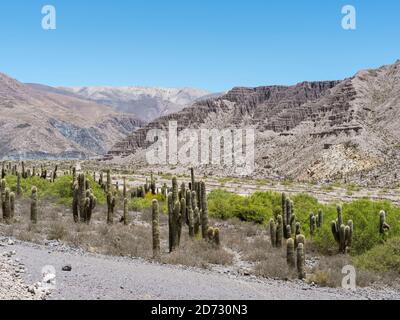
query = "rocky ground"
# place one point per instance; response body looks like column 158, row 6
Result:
column 80, row 275
column 12, row 275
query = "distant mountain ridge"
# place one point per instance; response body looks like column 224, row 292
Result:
column 39, row 124
column 146, row 103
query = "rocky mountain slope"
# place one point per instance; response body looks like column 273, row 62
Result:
column 147, row 103
column 37, row 124
column 313, row 131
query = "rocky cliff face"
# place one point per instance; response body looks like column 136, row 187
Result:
column 313, row 131
column 36, row 124
column 264, row 108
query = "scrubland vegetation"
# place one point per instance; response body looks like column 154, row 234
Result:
column 180, row 224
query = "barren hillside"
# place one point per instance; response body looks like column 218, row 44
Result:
column 313, row 131
column 37, row 124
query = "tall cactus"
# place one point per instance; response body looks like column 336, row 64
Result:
column 272, row 232
column 156, row 229
column 7, row 208
column 320, row 220
column 153, row 187
column 204, row 210
column 109, row 182
column 171, row 231
column 196, row 219
column 192, row 179
column 90, row 204
column 279, row 232
column 110, row 208
column 189, row 213
column 34, row 205
column 290, row 257
column 342, row 234
column 125, row 216
column 19, row 190
column 12, row 205
column 124, row 188
column 3, row 187
column 313, row 224
column 75, row 201
column 301, row 261
column 81, row 196
column 383, row 226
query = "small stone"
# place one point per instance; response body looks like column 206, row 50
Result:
column 67, row 268
column 10, row 242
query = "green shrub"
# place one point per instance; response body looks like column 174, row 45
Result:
column 140, row 204
column 59, row 190
column 261, row 206
column 381, row 258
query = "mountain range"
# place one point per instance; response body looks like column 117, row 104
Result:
column 144, row 102
column 38, row 121
column 313, row 131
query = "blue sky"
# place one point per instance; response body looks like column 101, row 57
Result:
column 208, row 44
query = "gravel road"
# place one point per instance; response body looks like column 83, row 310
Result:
column 102, row 277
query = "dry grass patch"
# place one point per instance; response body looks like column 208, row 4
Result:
column 198, row 253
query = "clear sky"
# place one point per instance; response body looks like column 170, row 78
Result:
column 208, row 44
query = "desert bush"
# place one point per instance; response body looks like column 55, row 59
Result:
column 198, row 254
column 262, row 206
column 365, row 215
column 143, row 204
column 60, row 190
column 382, row 258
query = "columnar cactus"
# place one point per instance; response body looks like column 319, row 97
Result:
column 279, row 232
column 192, row 179
column 320, row 220
column 125, row 216
column 23, row 170
column 153, row 185
column 204, row 210
column 90, row 205
column 299, row 239
column 213, row 236
column 110, row 208
column 55, row 173
column 34, row 205
column 343, row 234
column 383, row 226
column 272, row 232
column 196, row 222
column 101, row 179
column 81, row 196
column 175, row 228
column 12, row 205
column 3, row 187
column 109, row 182
column 170, row 204
column 290, row 257
column 6, row 212
column 124, row 188
column 156, row 229
column 19, row 190
column 75, row 201
column 301, row 261
column 313, row 224
column 188, row 206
